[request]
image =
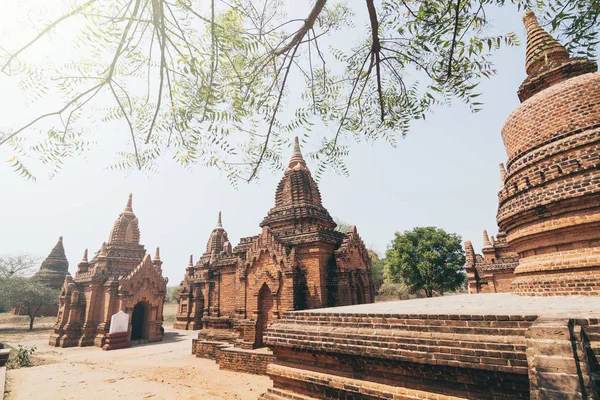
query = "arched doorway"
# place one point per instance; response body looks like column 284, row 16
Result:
column 138, row 322
column 265, row 308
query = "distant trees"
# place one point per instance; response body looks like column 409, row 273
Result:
column 172, row 295
column 12, row 265
column 27, row 293
column 426, row 258
column 377, row 265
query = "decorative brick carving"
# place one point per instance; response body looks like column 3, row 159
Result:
column 121, row 276
column 298, row 261
column 492, row 272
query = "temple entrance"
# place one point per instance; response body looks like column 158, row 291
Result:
column 265, row 308
column 138, row 322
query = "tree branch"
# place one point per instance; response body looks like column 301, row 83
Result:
column 308, row 24
column 46, row 30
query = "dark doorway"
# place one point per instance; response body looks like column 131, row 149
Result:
column 137, row 321
column 265, row 308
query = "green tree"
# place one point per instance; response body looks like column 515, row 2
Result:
column 377, row 267
column 27, row 293
column 206, row 82
column 426, row 258
column 172, row 295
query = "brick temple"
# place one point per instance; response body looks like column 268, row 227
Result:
column 120, row 277
column 494, row 271
column 540, row 341
column 297, row 262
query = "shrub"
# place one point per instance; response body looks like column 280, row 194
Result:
column 21, row 357
column 393, row 291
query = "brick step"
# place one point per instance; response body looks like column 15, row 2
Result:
column 470, row 350
column 392, row 323
column 323, row 385
column 595, row 346
column 514, row 361
column 280, row 394
column 399, row 336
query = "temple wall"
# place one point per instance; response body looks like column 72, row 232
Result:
column 229, row 289
column 314, row 259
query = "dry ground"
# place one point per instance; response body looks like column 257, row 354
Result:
column 164, row 370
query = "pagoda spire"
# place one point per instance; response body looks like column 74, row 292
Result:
column 129, row 207
column 541, row 47
column 85, row 256
column 219, row 224
column 486, row 239
column 191, row 263
column 297, row 155
column 502, row 174
column 157, row 254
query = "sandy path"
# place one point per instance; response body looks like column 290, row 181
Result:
column 164, row 370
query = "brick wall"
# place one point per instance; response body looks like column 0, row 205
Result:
column 377, row 356
column 240, row 360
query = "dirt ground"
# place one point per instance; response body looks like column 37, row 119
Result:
column 154, row 371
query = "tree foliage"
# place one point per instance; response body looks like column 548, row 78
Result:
column 426, row 258
column 377, row 267
column 213, row 82
column 172, row 295
column 27, row 293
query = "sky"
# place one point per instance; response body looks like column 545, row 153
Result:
column 444, row 173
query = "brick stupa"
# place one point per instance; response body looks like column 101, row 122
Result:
column 54, row 268
column 549, row 205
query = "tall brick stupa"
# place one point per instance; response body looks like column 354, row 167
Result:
column 54, row 268
column 550, row 203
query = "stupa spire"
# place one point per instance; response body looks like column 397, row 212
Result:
column 85, row 256
column 541, row 47
column 157, row 254
column 296, row 155
column 191, row 264
column 219, row 224
column 502, row 174
column 486, row 239
column 129, row 207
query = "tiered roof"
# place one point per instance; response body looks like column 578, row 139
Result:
column 298, row 209
column 547, row 61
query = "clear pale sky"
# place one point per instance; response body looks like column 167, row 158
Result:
column 444, row 173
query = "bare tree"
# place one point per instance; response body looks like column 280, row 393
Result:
column 17, row 265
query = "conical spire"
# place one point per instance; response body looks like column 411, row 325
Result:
column 128, row 207
column 541, row 47
column 191, row 263
column 219, row 224
column 58, row 251
column 157, row 254
column 502, row 174
column 85, row 256
column 102, row 252
column 296, row 155
column 486, row 239
column 54, row 268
